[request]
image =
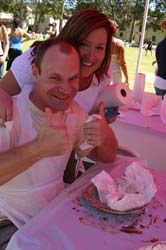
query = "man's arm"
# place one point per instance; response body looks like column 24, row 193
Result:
column 107, row 151
column 16, row 160
column 51, row 141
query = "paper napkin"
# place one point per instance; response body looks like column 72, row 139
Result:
column 133, row 190
column 155, row 246
column 151, row 105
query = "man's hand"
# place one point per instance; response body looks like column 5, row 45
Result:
column 6, row 107
column 53, row 138
column 96, row 131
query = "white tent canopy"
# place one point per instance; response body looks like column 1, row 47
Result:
column 136, row 81
column 142, row 34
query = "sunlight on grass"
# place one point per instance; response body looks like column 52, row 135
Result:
column 145, row 67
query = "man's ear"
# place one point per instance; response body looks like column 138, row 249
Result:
column 35, row 71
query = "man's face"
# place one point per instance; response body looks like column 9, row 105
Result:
column 58, row 82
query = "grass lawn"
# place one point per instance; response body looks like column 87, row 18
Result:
column 131, row 58
column 145, row 66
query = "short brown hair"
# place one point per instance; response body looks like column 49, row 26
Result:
column 80, row 25
column 113, row 26
column 163, row 25
column 65, row 46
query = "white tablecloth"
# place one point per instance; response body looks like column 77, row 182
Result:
column 146, row 134
column 71, row 223
column 151, row 123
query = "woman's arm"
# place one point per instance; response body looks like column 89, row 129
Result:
column 122, row 60
column 19, row 75
column 10, row 84
column 5, row 44
column 8, row 87
column 26, row 35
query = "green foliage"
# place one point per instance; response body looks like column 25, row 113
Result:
column 125, row 12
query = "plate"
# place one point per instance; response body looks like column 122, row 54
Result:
column 91, row 195
column 159, row 245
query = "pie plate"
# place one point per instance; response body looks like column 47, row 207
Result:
column 91, row 195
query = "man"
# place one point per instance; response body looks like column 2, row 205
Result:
column 160, row 78
column 148, row 47
column 4, row 47
column 47, row 125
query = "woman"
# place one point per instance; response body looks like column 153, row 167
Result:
column 118, row 60
column 4, row 46
column 90, row 30
column 16, row 39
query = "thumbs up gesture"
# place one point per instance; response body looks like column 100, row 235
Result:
column 53, row 137
column 96, row 130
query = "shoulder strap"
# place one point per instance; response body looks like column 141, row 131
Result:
column 114, row 45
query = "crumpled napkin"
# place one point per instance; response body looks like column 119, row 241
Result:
column 155, row 246
column 135, row 105
column 133, row 190
column 151, row 104
column 163, row 110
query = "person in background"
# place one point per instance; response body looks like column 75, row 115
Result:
column 47, row 124
column 148, row 47
column 154, row 64
column 4, row 47
column 118, row 60
column 16, row 38
column 30, row 29
column 53, row 29
column 160, row 78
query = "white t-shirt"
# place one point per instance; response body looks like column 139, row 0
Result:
column 160, row 83
column 21, row 68
column 24, row 196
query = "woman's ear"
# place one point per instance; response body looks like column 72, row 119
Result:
column 35, row 71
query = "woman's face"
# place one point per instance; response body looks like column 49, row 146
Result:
column 92, row 51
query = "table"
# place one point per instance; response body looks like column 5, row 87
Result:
column 146, row 134
column 71, row 223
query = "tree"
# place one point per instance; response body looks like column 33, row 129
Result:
column 126, row 12
column 156, row 14
column 43, row 8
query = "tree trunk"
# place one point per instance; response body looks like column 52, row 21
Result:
column 132, row 30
